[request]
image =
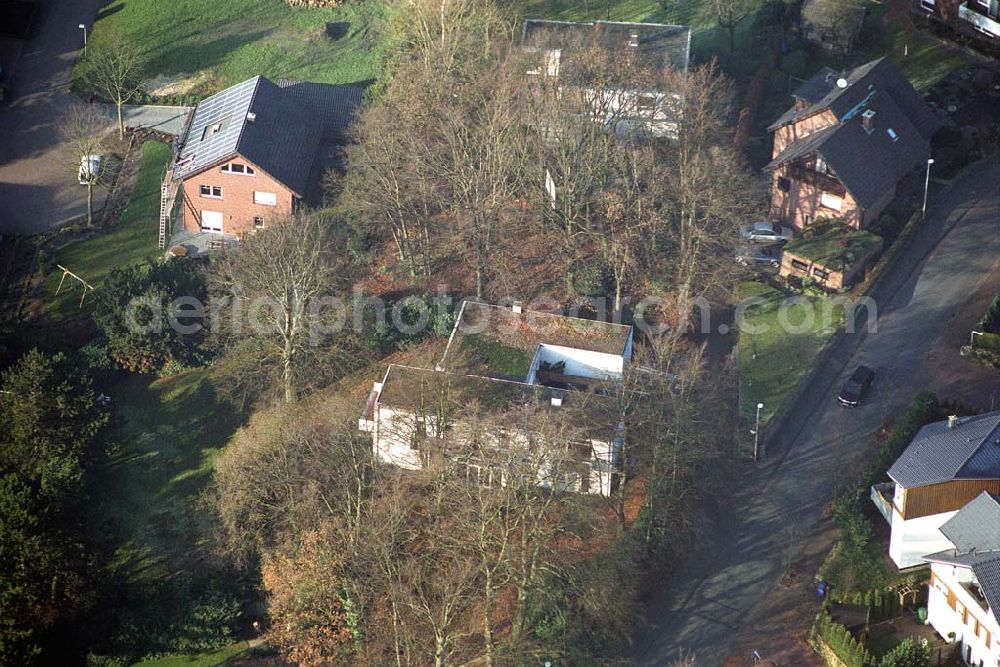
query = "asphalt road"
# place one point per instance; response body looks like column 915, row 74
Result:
column 742, row 554
column 38, row 186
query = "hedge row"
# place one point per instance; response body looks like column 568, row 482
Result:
column 990, row 322
column 840, row 640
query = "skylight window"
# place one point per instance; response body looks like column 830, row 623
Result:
column 892, row 134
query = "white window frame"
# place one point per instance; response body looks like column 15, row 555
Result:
column 832, row 202
column 222, row 222
column 265, row 198
column 247, row 169
column 211, row 191
column 262, row 222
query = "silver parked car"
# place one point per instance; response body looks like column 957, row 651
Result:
column 764, row 232
column 754, row 255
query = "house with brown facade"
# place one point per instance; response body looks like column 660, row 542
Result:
column 250, row 155
column 948, row 464
column 845, row 144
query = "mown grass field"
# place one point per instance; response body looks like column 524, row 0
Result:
column 232, row 40
column 133, row 240
column 223, row 656
column 774, row 359
column 146, row 506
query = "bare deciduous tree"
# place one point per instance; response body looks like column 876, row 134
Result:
column 83, row 129
column 277, row 288
column 728, row 14
column 114, row 71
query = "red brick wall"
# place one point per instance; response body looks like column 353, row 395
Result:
column 237, row 205
column 788, row 134
column 803, row 200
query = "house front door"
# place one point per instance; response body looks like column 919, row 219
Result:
column 211, row 221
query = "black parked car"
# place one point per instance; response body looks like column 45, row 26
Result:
column 856, row 386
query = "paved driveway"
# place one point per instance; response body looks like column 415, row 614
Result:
column 720, row 595
column 38, row 187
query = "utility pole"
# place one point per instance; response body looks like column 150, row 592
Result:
column 756, row 433
column 927, row 183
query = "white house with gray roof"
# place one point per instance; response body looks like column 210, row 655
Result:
column 963, row 601
column 948, row 464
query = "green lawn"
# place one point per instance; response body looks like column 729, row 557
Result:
column 834, row 246
column 155, row 537
column 170, row 429
column 772, row 361
column 223, row 656
column 133, row 240
column 232, row 40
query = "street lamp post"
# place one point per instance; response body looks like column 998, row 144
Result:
column 83, row 27
column 927, row 183
column 756, row 432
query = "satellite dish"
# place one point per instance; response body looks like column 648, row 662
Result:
column 841, row 83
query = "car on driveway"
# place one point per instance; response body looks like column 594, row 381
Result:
column 764, row 232
column 90, row 166
column 754, row 255
column 854, row 389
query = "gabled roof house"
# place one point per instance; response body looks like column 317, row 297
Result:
column 963, row 601
column 948, row 464
column 508, row 361
column 627, row 106
column 251, row 153
column 846, row 143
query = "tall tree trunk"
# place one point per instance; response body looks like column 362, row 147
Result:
column 90, row 204
column 487, row 609
column 121, row 121
column 288, row 372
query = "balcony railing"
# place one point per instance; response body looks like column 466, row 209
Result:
column 981, row 22
column 821, row 181
column 882, row 497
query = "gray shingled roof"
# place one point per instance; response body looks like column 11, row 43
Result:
column 988, row 574
column 284, row 137
column 976, row 527
column 938, row 453
column 816, row 88
column 975, row 533
column 881, row 75
column 333, row 106
column 659, row 44
column 868, row 164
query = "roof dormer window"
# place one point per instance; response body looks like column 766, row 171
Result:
column 213, row 129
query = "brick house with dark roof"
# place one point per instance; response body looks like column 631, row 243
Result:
column 846, row 143
column 252, row 153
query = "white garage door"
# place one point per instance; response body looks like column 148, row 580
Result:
column 211, row 221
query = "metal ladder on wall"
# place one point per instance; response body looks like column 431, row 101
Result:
column 168, row 192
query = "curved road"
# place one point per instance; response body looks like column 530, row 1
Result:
column 719, row 594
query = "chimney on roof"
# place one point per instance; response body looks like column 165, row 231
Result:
column 953, row 421
column 633, row 40
column 251, row 116
column 556, row 401
column 868, row 121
